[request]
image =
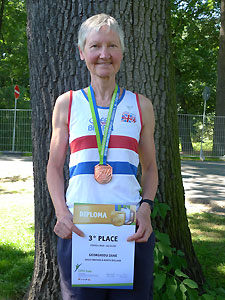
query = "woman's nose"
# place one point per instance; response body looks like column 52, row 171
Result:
column 104, row 53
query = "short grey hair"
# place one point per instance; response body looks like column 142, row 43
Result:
column 96, row 22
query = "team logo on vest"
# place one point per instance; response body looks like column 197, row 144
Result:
column 128, row 117
column 102, row 122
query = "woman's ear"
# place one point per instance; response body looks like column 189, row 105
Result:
column 81, row 54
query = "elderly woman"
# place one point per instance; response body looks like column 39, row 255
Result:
column 81, row 119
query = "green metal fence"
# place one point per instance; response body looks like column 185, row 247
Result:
column 23, row 141
column 193, row 136
column 201, row 138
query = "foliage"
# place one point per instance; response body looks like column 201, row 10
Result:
column 195, row 32
column 195, row 38
column 16, row 239
column 13, row 55
column 171, row 282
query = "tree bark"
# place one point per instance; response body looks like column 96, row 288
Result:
column 55, row 67
column 219, row 136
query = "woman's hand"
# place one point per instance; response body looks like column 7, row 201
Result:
column 65, row 226
column 144, row 226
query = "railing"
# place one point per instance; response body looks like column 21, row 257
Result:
column 193, row 136
column 196, row 137
column 22, row 142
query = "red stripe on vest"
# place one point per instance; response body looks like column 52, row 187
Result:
column 116, row 141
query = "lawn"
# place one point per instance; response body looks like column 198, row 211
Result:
column 17, row 246
column 208, row 235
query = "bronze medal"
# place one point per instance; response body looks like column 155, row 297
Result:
column 103, row 173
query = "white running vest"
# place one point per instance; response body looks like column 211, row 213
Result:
column 122, row 152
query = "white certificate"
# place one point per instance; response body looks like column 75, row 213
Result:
column 103, row 258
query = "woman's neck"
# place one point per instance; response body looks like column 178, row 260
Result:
column 103, row 90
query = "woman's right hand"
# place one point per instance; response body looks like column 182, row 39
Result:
column 65, row 226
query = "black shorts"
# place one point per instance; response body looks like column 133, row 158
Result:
column 143, row 275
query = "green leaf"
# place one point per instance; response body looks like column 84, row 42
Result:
column 155, row 212
column 164, row 296
column 179, row 273
column 221, row 291
column 159, row 281
column 190, row 283
column 165, row 249
column 208, row 297
column 183, row 290
column 162, row 237
column 171, row 288
column 180, row 253
column 192, row 294
column 163, row 208
column 210, row 4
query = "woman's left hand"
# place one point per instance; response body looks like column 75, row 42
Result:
column 144, row 226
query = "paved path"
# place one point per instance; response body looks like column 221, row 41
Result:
column 15, row 165
column 16, row 179
column 204, row 182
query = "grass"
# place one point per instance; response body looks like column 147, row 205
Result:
column 17, row 247
column 207, row 145
column 209, row 158
column 208, row 235
column 195, row 153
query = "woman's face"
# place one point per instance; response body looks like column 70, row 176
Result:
column 102, row 52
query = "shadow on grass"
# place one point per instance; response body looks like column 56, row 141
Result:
column 15, row 178
column 12, row 180
column 16, row 269
column 208, row 236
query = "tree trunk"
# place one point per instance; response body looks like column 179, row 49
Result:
column 219, row 136
column 55, row 67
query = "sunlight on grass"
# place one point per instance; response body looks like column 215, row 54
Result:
column 208, row 235
column 16, row 247
column 207, row 145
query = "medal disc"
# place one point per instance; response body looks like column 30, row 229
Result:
column 103, row 173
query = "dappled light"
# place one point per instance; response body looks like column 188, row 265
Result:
column 16, row 235
column 208, row 235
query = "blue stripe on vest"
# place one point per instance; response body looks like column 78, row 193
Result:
column 123, row 168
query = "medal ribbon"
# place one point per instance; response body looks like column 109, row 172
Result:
column 103, row 139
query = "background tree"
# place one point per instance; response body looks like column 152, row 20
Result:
column 1, row 14
column 195, row 29
column 55, row 67
column 218, row 137
column 13, row 53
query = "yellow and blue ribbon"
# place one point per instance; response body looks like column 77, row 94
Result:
column 103, row 138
